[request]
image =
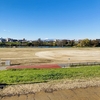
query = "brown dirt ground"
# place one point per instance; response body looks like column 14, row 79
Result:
column 90, row 93
column 55, row 90
column 34, row 56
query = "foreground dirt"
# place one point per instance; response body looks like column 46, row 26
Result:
column 90, row 93
column 78, row 89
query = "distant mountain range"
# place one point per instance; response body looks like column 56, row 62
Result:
column 49, row 40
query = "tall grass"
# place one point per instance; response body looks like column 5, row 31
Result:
column 43, row 75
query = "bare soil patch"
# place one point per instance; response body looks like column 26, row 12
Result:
column 75, row 55
column 34, row 56
column 90, row 93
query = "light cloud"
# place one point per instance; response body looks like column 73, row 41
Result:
column 6, row 30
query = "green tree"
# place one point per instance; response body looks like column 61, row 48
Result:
column 71, row 43
column 94, row 43
column 84, row 43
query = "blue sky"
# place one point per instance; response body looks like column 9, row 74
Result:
column 54, row 19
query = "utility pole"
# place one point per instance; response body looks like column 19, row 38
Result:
column 0, row 62
column 68, row 62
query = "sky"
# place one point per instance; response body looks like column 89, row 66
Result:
column 53, row 19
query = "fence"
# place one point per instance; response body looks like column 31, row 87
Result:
column 5, row 62
column 29, row 62
column 79, row 64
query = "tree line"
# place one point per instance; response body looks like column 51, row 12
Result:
column 57, row 43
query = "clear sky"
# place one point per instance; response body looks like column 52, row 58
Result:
column 53, row 19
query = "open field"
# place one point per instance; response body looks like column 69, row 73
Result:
column 60, row 84
column 34, row 56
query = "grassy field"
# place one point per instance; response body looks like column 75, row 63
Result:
column 44, row 75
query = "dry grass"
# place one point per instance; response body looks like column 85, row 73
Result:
column 49, row 87
column 22, row 56
column 31, row 56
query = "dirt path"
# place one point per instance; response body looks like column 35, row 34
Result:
column 90, row 93
column 2, row 68
column 78, row 89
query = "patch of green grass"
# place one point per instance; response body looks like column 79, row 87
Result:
column 43, row 75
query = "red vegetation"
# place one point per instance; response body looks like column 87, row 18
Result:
column 34, row 66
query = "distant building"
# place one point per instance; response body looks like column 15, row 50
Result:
column 98, row 40
column 14, row 40
column 23, row 40
column 2, row 40
column 8, row 40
